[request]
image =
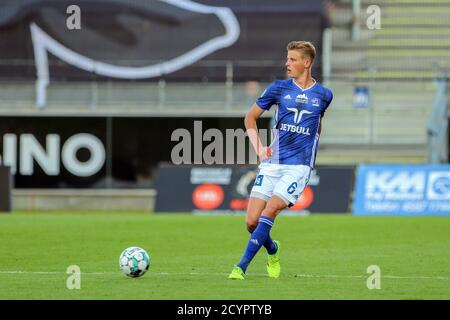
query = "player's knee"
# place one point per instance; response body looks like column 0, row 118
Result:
column 274, row 206
column 271, row 210
column 251, row 225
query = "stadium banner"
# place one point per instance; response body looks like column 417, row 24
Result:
column 402, row 190
column 5, row 189
column 226, row 188
column 179, row 40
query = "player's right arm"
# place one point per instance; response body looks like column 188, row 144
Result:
column 250, row 120
column 269, row 97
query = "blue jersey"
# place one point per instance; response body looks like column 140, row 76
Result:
column 297, row 120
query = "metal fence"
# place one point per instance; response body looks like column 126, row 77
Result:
column 388, row 117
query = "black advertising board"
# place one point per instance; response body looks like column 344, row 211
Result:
column 97, row 152
column 54, row 152
column 226, row 189
column 5, row 189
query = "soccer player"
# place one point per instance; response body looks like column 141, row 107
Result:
column 286, row 164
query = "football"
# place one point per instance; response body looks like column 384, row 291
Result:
column 134, row 262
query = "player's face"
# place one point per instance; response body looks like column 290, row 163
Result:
column 296, row 63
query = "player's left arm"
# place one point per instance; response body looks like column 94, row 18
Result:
column 330, row 98
column 320, row 124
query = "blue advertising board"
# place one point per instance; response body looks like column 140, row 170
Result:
column 402, row 190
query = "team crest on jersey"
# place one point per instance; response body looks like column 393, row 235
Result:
column 301, row 98
column 315, row 102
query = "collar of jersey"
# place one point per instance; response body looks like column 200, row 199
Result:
column 306, row 88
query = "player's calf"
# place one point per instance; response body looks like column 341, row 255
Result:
column 254, row 209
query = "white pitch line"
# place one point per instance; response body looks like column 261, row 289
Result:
column 387, row 277
column 118, row 272
column 224, row 274
column 418, row 277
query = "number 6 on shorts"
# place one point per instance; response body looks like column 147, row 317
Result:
column 292, row 188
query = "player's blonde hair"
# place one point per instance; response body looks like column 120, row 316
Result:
column 306, row 48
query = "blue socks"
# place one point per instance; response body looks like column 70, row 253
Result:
column 258, row 238
column 270, row 246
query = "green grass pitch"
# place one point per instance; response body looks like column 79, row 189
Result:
column 323, row 256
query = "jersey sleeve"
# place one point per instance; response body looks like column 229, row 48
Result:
column 328, row 99
column 270, row 96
